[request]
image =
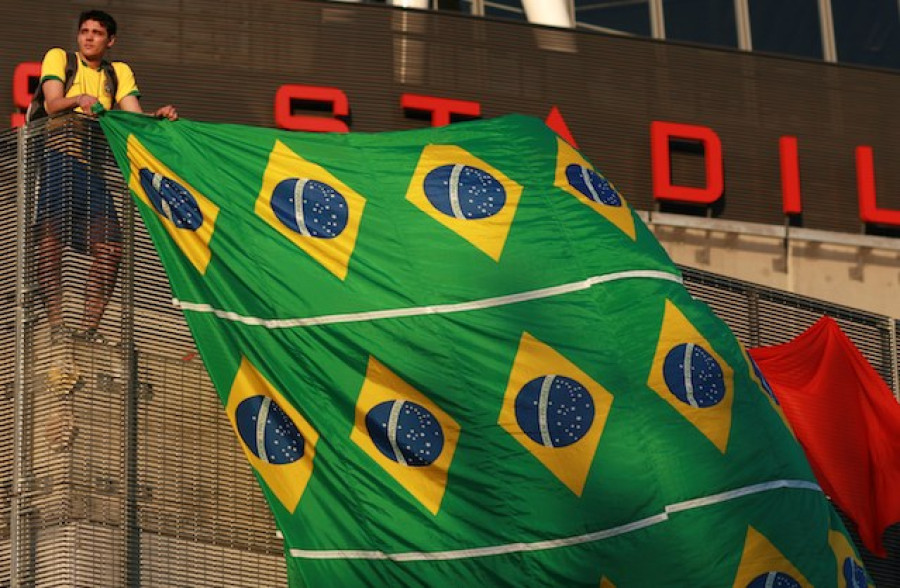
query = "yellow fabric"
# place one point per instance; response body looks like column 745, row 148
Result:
column 88, row 80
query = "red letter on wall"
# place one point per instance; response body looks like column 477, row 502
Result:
column 790, row 176
column 440, row 108
column 285, row 119
column 23, row 74
column 865, row 186
column 663, row 189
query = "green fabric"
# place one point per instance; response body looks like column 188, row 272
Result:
column 636, row 495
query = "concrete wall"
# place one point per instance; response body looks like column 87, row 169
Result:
column 858, row 271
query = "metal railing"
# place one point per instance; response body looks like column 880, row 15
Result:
column 117, row 463
column 118, row 466
column 761, row 316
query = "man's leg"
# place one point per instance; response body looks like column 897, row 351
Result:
column 53, row 228
column 101, row 282
column 104, row 237
column 49, row 266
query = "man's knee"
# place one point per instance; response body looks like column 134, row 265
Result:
column 109, row 250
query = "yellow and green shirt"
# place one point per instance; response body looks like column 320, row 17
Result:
column 88, row 80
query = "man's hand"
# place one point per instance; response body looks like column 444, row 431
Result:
column 84, row 102
column 168, row 111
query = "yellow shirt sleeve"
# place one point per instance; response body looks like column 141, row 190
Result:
column 54, row 65
column 127, row 83
column 87, row 80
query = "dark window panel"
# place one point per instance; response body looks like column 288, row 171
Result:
column 701, row 21
column 786, row 27
column 454, row 5
column 466, row 6
column 629, row 16
column 867, row 32
column 504, row 9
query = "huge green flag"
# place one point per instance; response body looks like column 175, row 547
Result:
column 456, row 357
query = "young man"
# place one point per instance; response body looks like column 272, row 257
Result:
column 83, row 216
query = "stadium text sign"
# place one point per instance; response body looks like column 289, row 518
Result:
column 664, row 136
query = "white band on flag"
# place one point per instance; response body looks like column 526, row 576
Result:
column 454, row 192
column 392, row 430
column 556, row 543
column 688, row 377
column 483, row 303
column 298, row 207
column 543, row 402
column 261, row 417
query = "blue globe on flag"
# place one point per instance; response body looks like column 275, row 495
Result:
column 268, row 432
column 464, row 192
column 554, row 411
column 172, row 200
column 592, row 185
column 694, row 376
column 405, row 432
column 854, row 574
column 765, row 383
column 774, row 580
column 310, row 207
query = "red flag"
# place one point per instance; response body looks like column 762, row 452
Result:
column 847, row 421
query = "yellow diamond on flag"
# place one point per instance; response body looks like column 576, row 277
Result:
column 555, row 411
column 605, row 583
column 187, row 215
column 279, row 443
column 689, row 375
column 577, row 176
column 850, row 571
column 309, row 206
column 405, row 433
column 465, row 194
column 763, row 565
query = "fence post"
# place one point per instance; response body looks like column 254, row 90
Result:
column 18, row 470
column 893, row 353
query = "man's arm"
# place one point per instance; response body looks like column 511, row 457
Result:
column 55, row 101
column 132, row 104
column 168, row 111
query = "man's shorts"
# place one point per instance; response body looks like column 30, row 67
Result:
column 75, row 203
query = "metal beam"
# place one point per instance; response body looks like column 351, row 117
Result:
column 657, row 19
column 554, row 13
column 17, row 539
column 826, row 24
column 423, row 4
column 742, row 24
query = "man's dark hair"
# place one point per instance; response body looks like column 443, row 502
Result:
column 108, row 22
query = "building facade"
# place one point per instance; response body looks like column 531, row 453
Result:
column 771, row 169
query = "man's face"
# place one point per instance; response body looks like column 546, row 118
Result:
column 93, row 40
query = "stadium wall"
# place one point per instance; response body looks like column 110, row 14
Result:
column 153, row 483
column 789, row 130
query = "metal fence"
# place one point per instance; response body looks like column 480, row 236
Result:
column 760, row 316
column 117, row 464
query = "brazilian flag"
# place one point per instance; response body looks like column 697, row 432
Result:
column 456, row 357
